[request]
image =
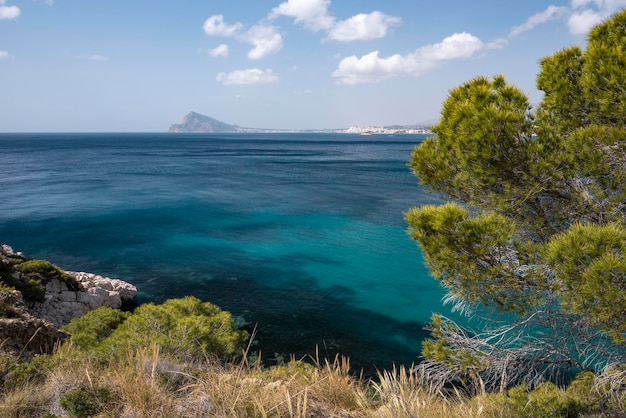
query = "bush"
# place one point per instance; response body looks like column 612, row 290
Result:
column 37, row 269
column 549, row 401
column 89, row 330
column 7, row 310
column 35, row 275
column 186, row 328
column 86, row 401
column 34, row 371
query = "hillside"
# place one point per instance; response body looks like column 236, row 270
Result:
column 195, row 122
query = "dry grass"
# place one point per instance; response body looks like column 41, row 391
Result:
column 145, row 384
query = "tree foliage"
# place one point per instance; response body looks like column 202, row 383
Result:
column 535, row 226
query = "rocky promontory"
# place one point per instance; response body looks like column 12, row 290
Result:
column 195, row 122
column 61, row 304
column 37, row 298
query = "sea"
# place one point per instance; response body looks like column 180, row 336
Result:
column 301, row 236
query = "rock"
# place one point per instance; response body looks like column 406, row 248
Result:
column 6, row 249
column 62, row 305
column 32, row 327
column 23, row 334
column 66, row 300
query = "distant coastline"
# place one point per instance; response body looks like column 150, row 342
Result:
column 197, row 123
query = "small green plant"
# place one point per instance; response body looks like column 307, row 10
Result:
column 5, row 288
column 34, row 274
column 7, row 310
column 34, row 371
column 86, row 401
column 38, row 269
column 549, row 401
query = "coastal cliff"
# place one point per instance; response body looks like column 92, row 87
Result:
column 195, row 122
column 37, row 298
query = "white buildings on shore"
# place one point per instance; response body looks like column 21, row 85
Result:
column 370, row 130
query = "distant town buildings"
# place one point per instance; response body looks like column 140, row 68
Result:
column 370, row 130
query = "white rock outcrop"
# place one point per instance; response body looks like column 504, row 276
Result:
column 61, row 304
column 29, row 328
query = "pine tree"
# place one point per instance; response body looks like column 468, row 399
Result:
column 534, row 233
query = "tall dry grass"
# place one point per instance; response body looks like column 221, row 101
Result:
column 144, row 383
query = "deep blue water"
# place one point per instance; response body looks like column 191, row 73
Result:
column 302, row 235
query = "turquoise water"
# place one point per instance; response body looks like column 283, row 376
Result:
column 300, row 235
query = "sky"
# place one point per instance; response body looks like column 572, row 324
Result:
column 139, row 66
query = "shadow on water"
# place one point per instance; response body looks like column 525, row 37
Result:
column 296, row 321
column 293, row 314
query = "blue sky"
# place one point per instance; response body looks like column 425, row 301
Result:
column 126, row 66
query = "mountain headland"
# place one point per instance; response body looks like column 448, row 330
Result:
column 194, row 122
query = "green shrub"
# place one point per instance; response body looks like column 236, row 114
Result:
column 86, row 401
column 4, row 287
column 549, row 401
column 7, row 310
column 32, row 290
column 89, row 330
column 34, row 371
column 184, row 328
column 35, row 275
column 35, row 269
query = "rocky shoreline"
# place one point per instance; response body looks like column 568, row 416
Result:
column 33, row 327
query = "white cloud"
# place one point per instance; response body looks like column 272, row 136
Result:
column 371, row 68
column 312, row 14
column 8, row 12
column 458, row 45
column 4, row 55
column 363, row 26
column 581, row 22
column 265, row 39
column 97, row 57
column 550, row 13
column 215, row 26
column 588, row 13
column 219, row 51
column 248, row 76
